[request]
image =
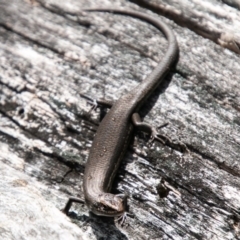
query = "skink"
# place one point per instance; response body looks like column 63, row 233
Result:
column 112, row 137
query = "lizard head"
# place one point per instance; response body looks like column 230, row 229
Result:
column 109, row 205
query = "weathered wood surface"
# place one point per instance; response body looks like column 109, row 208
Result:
column 49, row 53
column 211, row 19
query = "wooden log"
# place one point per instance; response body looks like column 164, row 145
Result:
column 50, row 52
column 211, row 19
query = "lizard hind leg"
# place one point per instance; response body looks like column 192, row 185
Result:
column 97, row 103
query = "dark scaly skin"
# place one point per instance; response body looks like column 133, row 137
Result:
column 112, row 137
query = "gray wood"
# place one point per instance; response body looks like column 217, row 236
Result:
column 49, row 53
column 208, row 18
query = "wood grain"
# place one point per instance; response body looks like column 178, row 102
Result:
column 50, row 52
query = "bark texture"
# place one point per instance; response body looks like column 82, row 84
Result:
column 50, row 52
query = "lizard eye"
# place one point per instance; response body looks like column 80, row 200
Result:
column 112, row 202
column 105, row 208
